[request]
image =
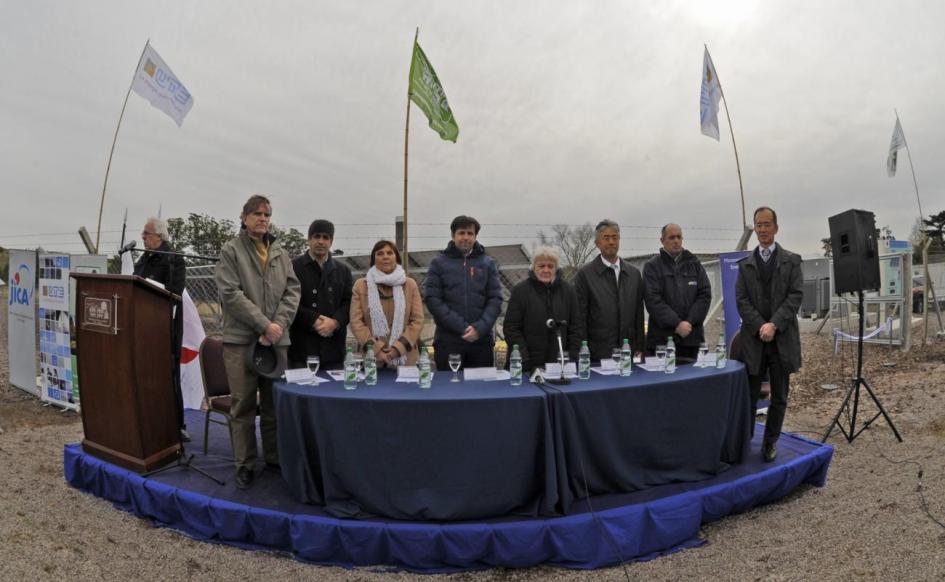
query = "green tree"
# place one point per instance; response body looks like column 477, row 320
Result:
column 292, row 240
column 826, row 245
column 200, row 234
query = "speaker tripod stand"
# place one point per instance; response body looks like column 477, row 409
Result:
column 854, row 391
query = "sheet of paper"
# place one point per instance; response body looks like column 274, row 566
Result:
column 708, row 361
column 553, row 370
column 339, row 375
column 487, row 373
column 653, row 365
column 408, row 374
column 302, row 376
column 612, row 371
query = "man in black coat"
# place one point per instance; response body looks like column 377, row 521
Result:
column 677, row 296
column 769, row 291
column 543, row 296
column 321, row 323
column 169, row 270
column 610, row 297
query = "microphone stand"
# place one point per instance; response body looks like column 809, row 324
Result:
column 176, row 254
column 562, row 380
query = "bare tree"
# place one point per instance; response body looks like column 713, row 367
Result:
column 576, row 245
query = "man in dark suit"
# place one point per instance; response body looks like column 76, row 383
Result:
column 159, row 263
column 321, row 323
column 769, row 291
column 610, row 297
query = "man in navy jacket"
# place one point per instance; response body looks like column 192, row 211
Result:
column 463, row 294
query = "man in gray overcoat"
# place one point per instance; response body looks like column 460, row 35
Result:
column 769, row 291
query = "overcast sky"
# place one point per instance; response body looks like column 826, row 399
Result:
column 568, row 112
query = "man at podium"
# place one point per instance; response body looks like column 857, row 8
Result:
column 158, row 263
column 259, row 293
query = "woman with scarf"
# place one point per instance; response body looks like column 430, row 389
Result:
column 386, row 308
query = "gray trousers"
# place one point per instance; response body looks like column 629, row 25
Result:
column 244, row 385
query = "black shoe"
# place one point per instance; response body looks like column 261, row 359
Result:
column 769, row 452
column 244, row 478
column 184, row 435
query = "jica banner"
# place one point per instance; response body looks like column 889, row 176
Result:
column 55, row 346
column 21, row 328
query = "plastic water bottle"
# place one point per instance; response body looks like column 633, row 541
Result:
column 584, row 362
column 351, row 371
column 370, row 366
column 720, row 356
column 423, row 365
column 515, row 366
column 670, row 356
column 626, row 358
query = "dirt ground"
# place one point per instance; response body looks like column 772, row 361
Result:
column 880, row 517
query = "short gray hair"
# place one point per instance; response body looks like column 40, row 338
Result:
column 545, row 252
column 160, row 227
column 606, row 223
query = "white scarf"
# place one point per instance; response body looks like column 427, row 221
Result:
column 379, row 328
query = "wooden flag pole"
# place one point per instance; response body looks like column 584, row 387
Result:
column 738, row 166
column 108, row 166
column 406, row 149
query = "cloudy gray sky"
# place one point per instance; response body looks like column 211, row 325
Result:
column 568, row 112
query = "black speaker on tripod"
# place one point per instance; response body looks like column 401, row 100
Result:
column 855, row 251
column 855, row 270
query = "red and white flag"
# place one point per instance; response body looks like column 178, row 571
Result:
column 191, row 382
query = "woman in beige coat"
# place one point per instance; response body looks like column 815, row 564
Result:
column 386, row 308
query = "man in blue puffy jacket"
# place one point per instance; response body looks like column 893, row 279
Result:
column 463, row 294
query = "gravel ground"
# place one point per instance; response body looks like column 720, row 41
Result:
column 875, row 519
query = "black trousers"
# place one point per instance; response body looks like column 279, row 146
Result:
column 475, row 355
column 780, row 385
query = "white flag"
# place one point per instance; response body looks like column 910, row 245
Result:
column 898, row 141
column 709, row 98
column 191, row 382
column 127, row 264
column 156, row 82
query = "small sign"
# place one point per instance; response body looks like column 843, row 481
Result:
column 99, row 314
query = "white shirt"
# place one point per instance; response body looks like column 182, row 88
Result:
column 615, row 267
column 772, row 248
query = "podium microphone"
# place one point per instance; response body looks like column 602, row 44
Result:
column 555, row 323
column 127, row 247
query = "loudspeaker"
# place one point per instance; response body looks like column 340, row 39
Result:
column 855, row 252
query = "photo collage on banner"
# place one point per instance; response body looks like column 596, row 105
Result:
column 56, row 360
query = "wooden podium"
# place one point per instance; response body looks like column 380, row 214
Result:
column 123, row 330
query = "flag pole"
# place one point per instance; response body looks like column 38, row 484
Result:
column 101, row 206
column 929, row 287
column 406, row 147
column 731, row 130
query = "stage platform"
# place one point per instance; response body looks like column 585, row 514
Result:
column 627, row 527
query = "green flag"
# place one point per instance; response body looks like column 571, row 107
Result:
column 426, row 91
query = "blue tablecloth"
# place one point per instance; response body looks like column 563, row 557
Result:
column 478, row 450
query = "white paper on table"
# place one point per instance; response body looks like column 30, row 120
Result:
column 486, row 373
column 408, row 374
column 553, row 370
column 339, row 375
column 501, row 375
column 611, row 371
column 607, row 365
column 653, row 366
column 302, row 376
column 708, row 361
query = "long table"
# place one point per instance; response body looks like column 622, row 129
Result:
column 477, row 450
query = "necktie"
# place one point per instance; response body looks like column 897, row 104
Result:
column 765, row 254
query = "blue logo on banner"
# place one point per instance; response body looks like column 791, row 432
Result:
column 21, row 290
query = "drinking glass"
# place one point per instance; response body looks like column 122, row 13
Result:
column 703, row 354
column 615, row 355
column 456, row 360
column 661, row 355
column 313, row 362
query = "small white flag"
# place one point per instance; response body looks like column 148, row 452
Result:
column 898, row 141
column 709, row 98
column 127, row 264
column 156, row 82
